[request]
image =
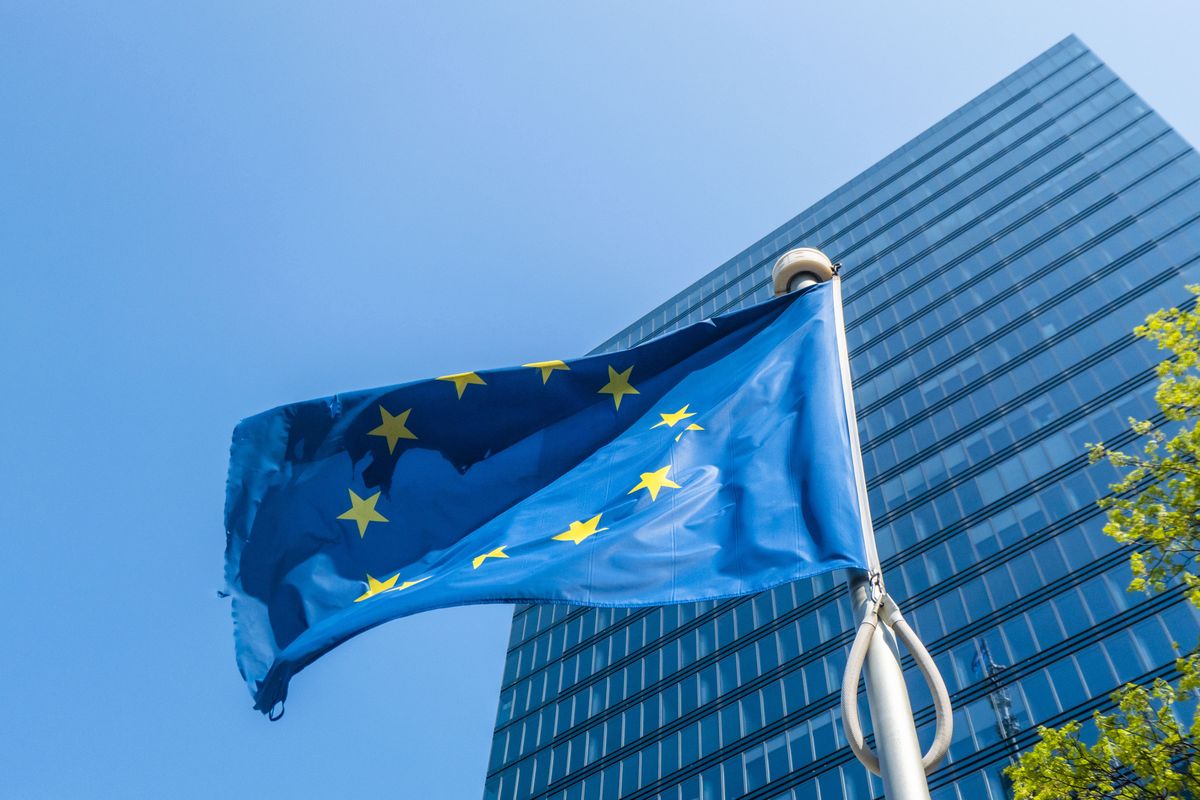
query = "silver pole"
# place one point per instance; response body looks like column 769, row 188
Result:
column 896, row 742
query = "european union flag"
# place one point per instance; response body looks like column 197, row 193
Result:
column 711, row 462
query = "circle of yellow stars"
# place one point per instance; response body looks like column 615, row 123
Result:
column 394, row 427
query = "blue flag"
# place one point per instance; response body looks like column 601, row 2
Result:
column 711, row 462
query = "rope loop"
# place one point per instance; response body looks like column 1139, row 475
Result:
column 881, row 607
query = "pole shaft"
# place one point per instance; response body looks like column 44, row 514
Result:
column 896, row 740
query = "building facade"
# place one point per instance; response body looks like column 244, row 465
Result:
column 994, row 267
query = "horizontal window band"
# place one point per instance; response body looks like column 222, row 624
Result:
column 978, row 168
column 999, row 412
column 1031, row 489
column 1072, row 372
column 1075, row 370
column 952, row 482
column 1003, row 556
column 1025, row 316
column 795, row 241
column 674, row 635
column 975, row 347
column 1004, row 263
column 1128, row 386
column 591, row 641
column 1035, row 598
column 1046, row 344
column 1038, row 105
column 1024, row 219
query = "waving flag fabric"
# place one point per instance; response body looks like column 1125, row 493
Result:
column 708, row 463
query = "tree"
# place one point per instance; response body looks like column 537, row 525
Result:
column 1141, row 750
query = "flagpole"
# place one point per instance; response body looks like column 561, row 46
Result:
column 899, row 751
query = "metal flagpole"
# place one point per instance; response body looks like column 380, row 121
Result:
column 900, row 764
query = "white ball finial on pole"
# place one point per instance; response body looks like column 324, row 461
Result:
column 799, row 268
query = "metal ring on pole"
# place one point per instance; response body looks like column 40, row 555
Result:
column 885, row 606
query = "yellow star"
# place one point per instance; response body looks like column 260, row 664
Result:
column 653, row 481
column 374, row 587
column 670, row 419
column 547, row 367
column 462, row 380
column 578, row 531
column 393, row 428
column 363, row 512
column 692, row 427
column 618, row 385
column 497, row 553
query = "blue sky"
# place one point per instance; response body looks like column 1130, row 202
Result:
column 208, row 209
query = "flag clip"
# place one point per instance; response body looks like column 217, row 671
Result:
column 875, row 590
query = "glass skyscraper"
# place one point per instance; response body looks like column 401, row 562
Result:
column 994, row 267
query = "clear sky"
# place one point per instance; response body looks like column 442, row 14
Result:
column 208, row 209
